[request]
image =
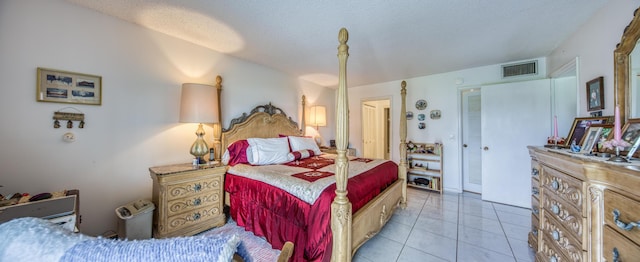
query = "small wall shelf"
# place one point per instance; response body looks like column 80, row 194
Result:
column 425, row 166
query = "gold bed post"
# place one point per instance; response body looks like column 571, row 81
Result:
column 341, row 207
column 303, row 124
column 217, row 128
column 402, row 167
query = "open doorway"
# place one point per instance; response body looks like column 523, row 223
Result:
column 376, row 128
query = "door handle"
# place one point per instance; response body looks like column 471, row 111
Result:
column 464, row 145
column 486, row 148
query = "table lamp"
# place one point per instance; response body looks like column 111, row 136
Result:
column 318, row 117
column 199, row 104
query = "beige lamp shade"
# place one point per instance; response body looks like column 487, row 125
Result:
column 317, row 116
column 199, row 104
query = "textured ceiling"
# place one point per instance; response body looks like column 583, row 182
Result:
column 389, row 40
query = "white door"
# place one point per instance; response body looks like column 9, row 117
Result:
column 369, row 127
column 471, row 141
column 514, row 115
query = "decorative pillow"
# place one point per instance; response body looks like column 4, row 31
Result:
column 267, row 151
column 301, row 143
column 236, row 153
column 302, row 154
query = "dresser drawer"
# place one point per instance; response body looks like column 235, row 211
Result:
column 549, row 253
column 193, row 218
column 193, row 202
column 555, row 234
column 628, row 210
column 566, row 187
column 191, row 188
column 566, row 215
column 615, row 244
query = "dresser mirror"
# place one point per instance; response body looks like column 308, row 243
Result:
column 626, row 71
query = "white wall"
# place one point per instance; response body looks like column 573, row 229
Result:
column 136, row 126
column 594, row 43
column 441, row 93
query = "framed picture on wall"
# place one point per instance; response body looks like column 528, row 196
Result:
column 595, row 94
column 580, row 126
column 68, row 87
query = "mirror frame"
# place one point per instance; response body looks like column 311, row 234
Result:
column 621, row 65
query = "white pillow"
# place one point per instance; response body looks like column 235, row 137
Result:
column 267, row 151
column 301, row 143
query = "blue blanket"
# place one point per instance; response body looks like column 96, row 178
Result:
column 33, row 239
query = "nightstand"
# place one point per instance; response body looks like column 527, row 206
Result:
column 333, row 150
column 188, row 200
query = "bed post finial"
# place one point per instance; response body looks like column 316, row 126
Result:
column 402, row 166
column 343, row 36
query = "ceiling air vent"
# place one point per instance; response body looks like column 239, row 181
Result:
column 520, row 69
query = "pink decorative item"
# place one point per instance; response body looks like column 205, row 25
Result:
column 555, row 127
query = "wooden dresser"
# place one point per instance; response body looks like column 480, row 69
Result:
column 188, row 201
column 584, row 208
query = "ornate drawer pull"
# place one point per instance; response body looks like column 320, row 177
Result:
column 555, row 235
column 555, row 185
column 616, row 255
column 197, row 202
column 555, row 209
column 535, row 191
column 553, row 259
column 535, row 172
column 196, row 216
column 535, row 232
column 623, row 225
column 197, row 187
column 536, row 211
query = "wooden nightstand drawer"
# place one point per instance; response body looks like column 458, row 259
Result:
column 190, row 203
column 198, row 219
column 194, row 187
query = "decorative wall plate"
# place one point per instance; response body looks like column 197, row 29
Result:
column 422, row 125
column 409, row 115
column 421, row 117
column 435, row 114
column 421, row 104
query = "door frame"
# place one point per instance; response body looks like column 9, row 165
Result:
column 391, row 117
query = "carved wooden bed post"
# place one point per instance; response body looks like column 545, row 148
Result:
column 402, row 166
column 302, row 121
column 341, row 207
column 217, row 128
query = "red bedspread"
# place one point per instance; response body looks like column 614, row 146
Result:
column 279, row 216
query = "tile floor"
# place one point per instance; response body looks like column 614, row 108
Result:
column 451, row 227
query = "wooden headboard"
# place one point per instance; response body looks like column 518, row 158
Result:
column 263, row 122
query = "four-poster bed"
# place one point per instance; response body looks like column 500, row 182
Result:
column 375, row 188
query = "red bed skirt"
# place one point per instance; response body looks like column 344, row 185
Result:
column 279, row 216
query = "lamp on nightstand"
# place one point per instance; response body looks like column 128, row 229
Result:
column 199, row 104
column 318, row 117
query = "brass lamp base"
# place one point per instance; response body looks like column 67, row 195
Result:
column 199, row 148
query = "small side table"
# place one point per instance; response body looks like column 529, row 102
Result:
column 188, row 200
column 333, row 150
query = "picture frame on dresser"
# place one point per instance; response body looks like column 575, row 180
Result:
column 631, row 131
column 580, row 126
column 590, row 139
